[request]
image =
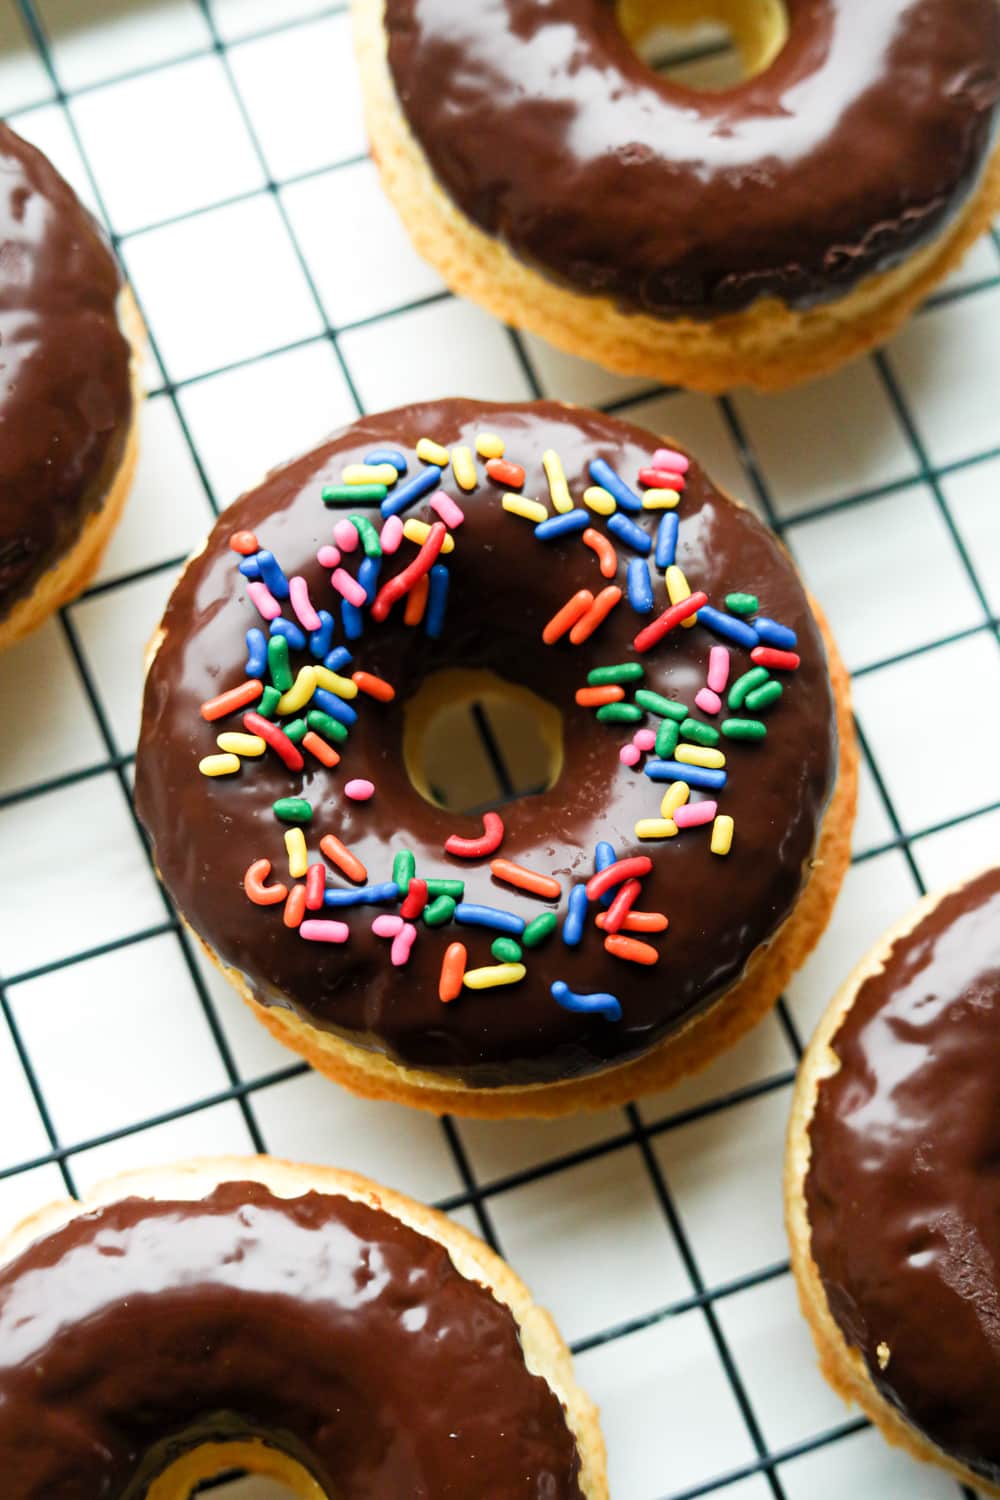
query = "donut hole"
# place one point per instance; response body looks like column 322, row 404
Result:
column 473, row 741
column 238, row 1470
column 706, row 45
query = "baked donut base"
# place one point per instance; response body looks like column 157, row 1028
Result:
column 545, row 1352
column 768, row 346
column 71, row 574
column 841, row 1364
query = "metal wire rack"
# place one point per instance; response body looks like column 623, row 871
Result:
column 765, row 1469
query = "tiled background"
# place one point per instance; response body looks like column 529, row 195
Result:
column 227, row 156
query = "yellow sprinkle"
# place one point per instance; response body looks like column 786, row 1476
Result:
column 430, row 452
column 369, row 474
column 678, row 588
column 242, row 744
column 600, row 500
column 464, row 469
column 298, row 854
column 660, row 499
column 219, row 765
column 674, row 797
column 488, row 979
column 488, row 445
column 700, row 755
column 655, row 828
column 520, row 505
column 555, row 474
column 334, row 683
column 419, row 531
column 722, row 834
column 299, row 693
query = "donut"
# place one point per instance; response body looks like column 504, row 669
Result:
column 574, row 945
column 69, row 390
column 295, row 1322
column 892, row 1200
column 760, row 235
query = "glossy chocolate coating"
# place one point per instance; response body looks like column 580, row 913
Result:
column 327, row 1327
column 902, row 1193
column 65, row 393
column 856, row 146
column 505, row 586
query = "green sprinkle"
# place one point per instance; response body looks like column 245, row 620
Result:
column 268, row 702
column 626, row 671
column 619, row 713
column 292, row 809
column 296, row 730
column 763, row 697
column 655, row 703
column 746, row 684
column 277, row 660
column 369, row 536
column 742, row 604
column 666, row 739
column 404, row 867
column 506, row 951
column 440, row 911
column 453, row 888
column 699, row 734
column 326, row 724
column 539, row 929
column 353, row 494
column 744, row 729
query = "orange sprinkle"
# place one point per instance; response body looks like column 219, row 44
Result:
column 375, row 687
column 638, row 921
column 295, row 906
column 632, row 949
column 526, row 880
column 452, row 972
column 416, row 601
column 503, row 472
column 228, row 703
column 573, row 610
column 338, row 854
column 259, row 893
column 598, row 612
column 606, row 554
column 319, row 747
column 596, row 697
column 244, row 542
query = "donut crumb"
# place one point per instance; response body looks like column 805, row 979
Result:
column 883, row 1354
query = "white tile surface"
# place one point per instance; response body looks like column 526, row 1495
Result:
column 239, row 18
column 115, row 655
column 24, row 1136
column 499, row 1148
column 973, row 496
column 23, row 77
column 26, row 1193
column 71, row 739
column 118, row 36
column 176, row 1140
column 952, row 855
column 764, row 1052
column 863, row 1465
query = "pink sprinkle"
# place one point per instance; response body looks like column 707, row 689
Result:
column 328, row 557
column 644, row 740
column 359, row 790
column 693, row 814
column 629, row 755
column 325, row 932
column 444, row 506
column 669, row 458
column 707, row 701
column 387, row 926
column 718, row 668
column 265, row 601
column 349, row 587
column 402, row 943
column 391, row 535
column 301, row 603
column 345, row 534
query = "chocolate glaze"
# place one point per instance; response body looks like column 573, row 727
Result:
column 65, row 393
column 322, row 1325
column 856, row 146
column 902, row 1191
column 505, row 586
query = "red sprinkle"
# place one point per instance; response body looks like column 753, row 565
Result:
column 244, row 542
column 319, row 747
column 564, row 618
column 416, row 900
column 637, row 921
column 479, row 848
column 295, row 906
column 259, row 893
column 668, row 620
column 632, row 949
column 228, row 703
column 375, row 687
column 452, row 972
column 338, row 854
column 404, row 581
column 596, row 697
column 276, row 738
column 607, row 557
column 622, row 904
column 526, row 880
column 315, row 886
column 503, row 472
column 622, row 869
column 782, row 661
column 662, row 479
column 598, row 611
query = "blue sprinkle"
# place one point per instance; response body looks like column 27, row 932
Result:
column 408, row 494
column 564, row 525
column 603, row 474
column 674, row 770
column 773, row 634
column 576, row 915
column 489, row 916
column 666, row 539
column 338, row 659
column 272, row 575
column 256, row 653
column 728, row 627
column 364, row 895
column 334, row 706
column 294, row 634
column 632, row 535
column 250, row 568
column 321, row 639
column 604, row 855
column 368, row 573
column 387, row 456
column 640, row 587
column 437, row 600
column 353, row 620
column 587, row 1005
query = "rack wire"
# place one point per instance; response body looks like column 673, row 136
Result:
column 768, row 1464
